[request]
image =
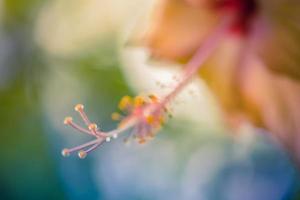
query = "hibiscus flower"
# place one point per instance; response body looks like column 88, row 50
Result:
column 247, row 51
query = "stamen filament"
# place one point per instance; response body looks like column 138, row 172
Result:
column 95, row 141
column 79, row 128
column 79, row 109
column 94, row 147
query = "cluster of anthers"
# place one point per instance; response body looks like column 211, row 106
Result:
column 144, row 115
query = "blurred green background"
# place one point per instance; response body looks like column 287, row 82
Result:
column 45, row 70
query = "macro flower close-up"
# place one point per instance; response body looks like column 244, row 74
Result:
column 160, row 99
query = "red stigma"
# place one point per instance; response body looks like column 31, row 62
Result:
column 242, row 10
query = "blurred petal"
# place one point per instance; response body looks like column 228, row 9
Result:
column 253, row 76
column 276, row 99
column 178, row 28
column 279, row 46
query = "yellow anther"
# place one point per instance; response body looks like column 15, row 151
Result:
column 65, row 152
column 122, row 124
column 82, row 154
column 153, row 98
column 79, row 107
column 125, row 102
column 93, row 127
column 142, row 141
column 150, row 135
column 139, row 101
column 68, row 120
column 115, row 116
column 150, row 119
column 161, row 120
column 166, row 109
